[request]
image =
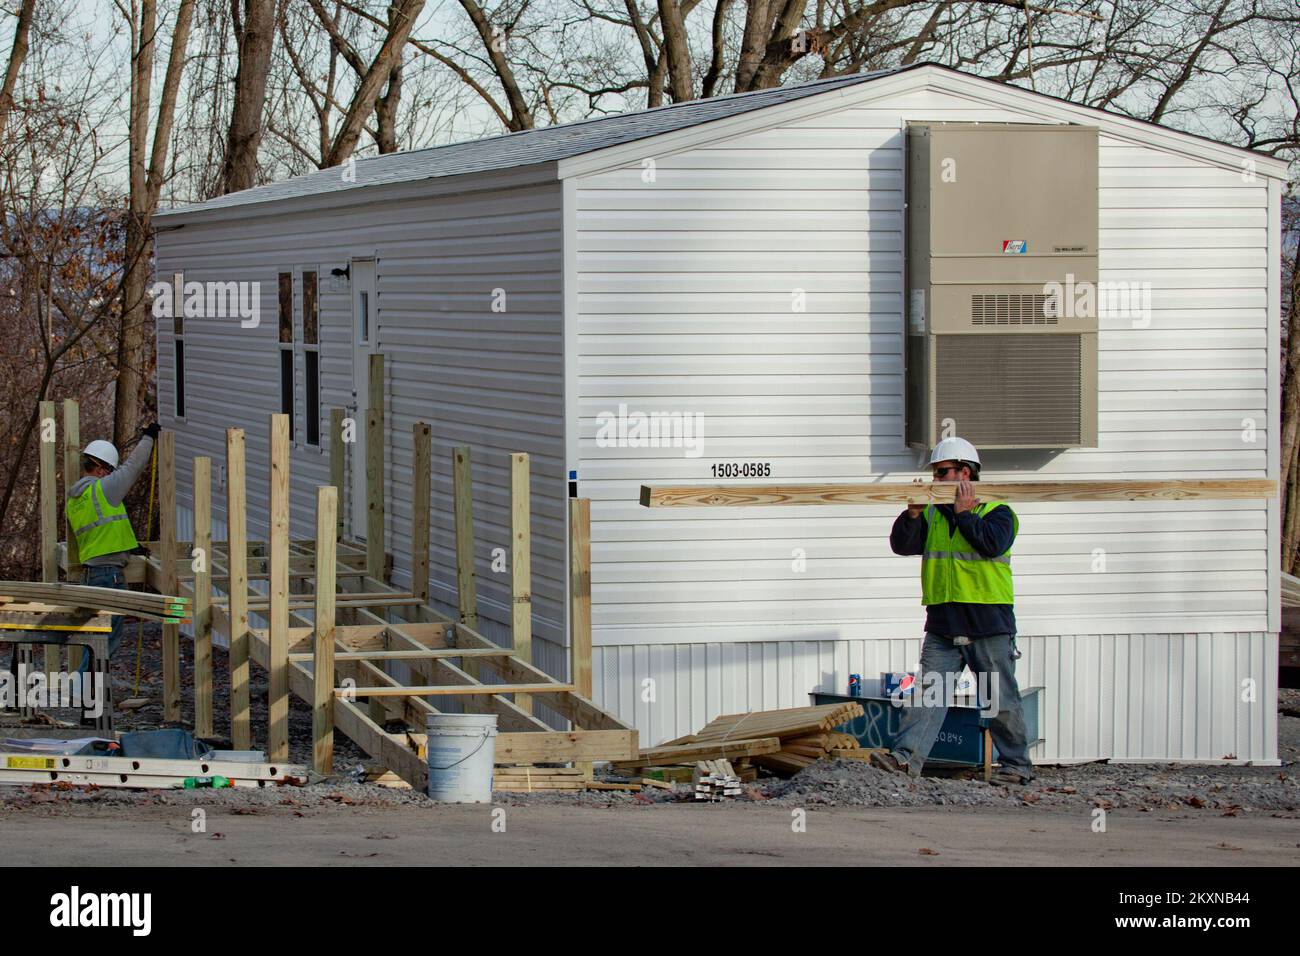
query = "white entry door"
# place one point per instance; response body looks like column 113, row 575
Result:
column 364, row 335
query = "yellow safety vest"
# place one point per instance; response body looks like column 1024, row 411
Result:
column 952, row 570
column 100, row 528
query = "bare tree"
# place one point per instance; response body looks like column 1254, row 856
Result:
column 147, row 170
column 255, row 35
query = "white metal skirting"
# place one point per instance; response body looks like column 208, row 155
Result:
column 1157, row 697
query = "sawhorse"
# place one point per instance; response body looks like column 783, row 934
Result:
column 25, row 642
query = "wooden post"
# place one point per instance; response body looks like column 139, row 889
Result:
column 462, row 494
column 421, row 487
column 322, row 720
column 521, row 597
column 48, row 431
column 375, row 471
column 580, row 602
column 580, row 595
column 171, row 640
column 71, row 475
column 336, row 460
column 241, row 731
column 201, row 562
column 277, row 734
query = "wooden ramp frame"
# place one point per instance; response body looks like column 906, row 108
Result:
column 334, row 627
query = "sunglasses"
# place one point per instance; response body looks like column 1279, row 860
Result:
column 940, row 472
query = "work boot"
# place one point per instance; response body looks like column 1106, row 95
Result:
column 885, row 760
column 1009, row 778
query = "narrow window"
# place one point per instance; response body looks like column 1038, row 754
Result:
column 311, row 356
column 178, row 351
column 286, row 348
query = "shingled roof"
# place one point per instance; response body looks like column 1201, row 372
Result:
column 526, row 148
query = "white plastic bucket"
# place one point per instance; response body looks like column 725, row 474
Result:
column 460, row 751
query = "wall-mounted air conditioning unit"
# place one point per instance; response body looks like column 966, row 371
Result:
column 1002, row 231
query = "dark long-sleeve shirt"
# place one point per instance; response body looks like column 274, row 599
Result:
column 991, row 535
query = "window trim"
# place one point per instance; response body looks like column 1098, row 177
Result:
column 178, row 346
column 311, row 422
column 289, row 346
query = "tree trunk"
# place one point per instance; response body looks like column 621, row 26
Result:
column 17, row 55
column 145, row 188
column 363, row 101
column 680, row 81
column 256, row 38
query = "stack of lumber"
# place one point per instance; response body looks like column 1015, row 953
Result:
column 528, row 779
column 783, row 741
column 532, row 779
column 56, row 597
column 716, row 780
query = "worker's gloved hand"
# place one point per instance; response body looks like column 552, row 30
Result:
column 152, row 430
column 140, row 549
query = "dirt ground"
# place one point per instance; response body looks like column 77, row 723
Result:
column 839, row 812
column 638, row 835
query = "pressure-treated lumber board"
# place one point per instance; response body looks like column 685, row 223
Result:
column 509, row 715
column 375, row 493
column 337, row 449
column 901, row 493
column 327, row 503
column 171, row 638
column 202, row 557
column 40, row 617
column 156, row 607
column 711, row 750
column 521, row 598
column 558, row 746
column 444, row 653
column 71, row 475
column 466, row 580
column 580, row 594
column 241, row 728
column 421, row 490
column 452, row 690
column 277, row 736
column 49, row 494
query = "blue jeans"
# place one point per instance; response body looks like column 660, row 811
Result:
column 103, row 577
column 995, row 656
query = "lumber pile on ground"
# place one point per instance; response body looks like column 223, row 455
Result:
column 783, row 741
column 716, row 780
column 58, row 597
column 528, row 779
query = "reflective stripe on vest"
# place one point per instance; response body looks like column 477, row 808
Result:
column 952, row 570
column 100, row 527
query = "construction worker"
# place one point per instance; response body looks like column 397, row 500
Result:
column 966, row 588
column 100, row 522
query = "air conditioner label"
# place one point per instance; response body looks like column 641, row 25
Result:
column 1015, row 247
column 916, row 312
column 1070, row 250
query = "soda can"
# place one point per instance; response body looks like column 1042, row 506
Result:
column 855, row 685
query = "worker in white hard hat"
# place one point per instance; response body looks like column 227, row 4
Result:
column 99, row 520
column 966, row 588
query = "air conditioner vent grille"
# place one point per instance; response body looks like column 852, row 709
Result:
column 1008, row 390
column 1004, row 308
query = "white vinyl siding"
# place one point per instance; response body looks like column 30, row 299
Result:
column 490, row 380
column 1131, row 696
column 684, row 290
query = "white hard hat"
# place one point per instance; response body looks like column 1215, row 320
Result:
column 954, row 449
column 103, row 450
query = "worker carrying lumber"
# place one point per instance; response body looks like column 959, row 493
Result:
column 966, row 588
column 99, row 520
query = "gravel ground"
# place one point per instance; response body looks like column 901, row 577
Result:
column 1222, row 790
